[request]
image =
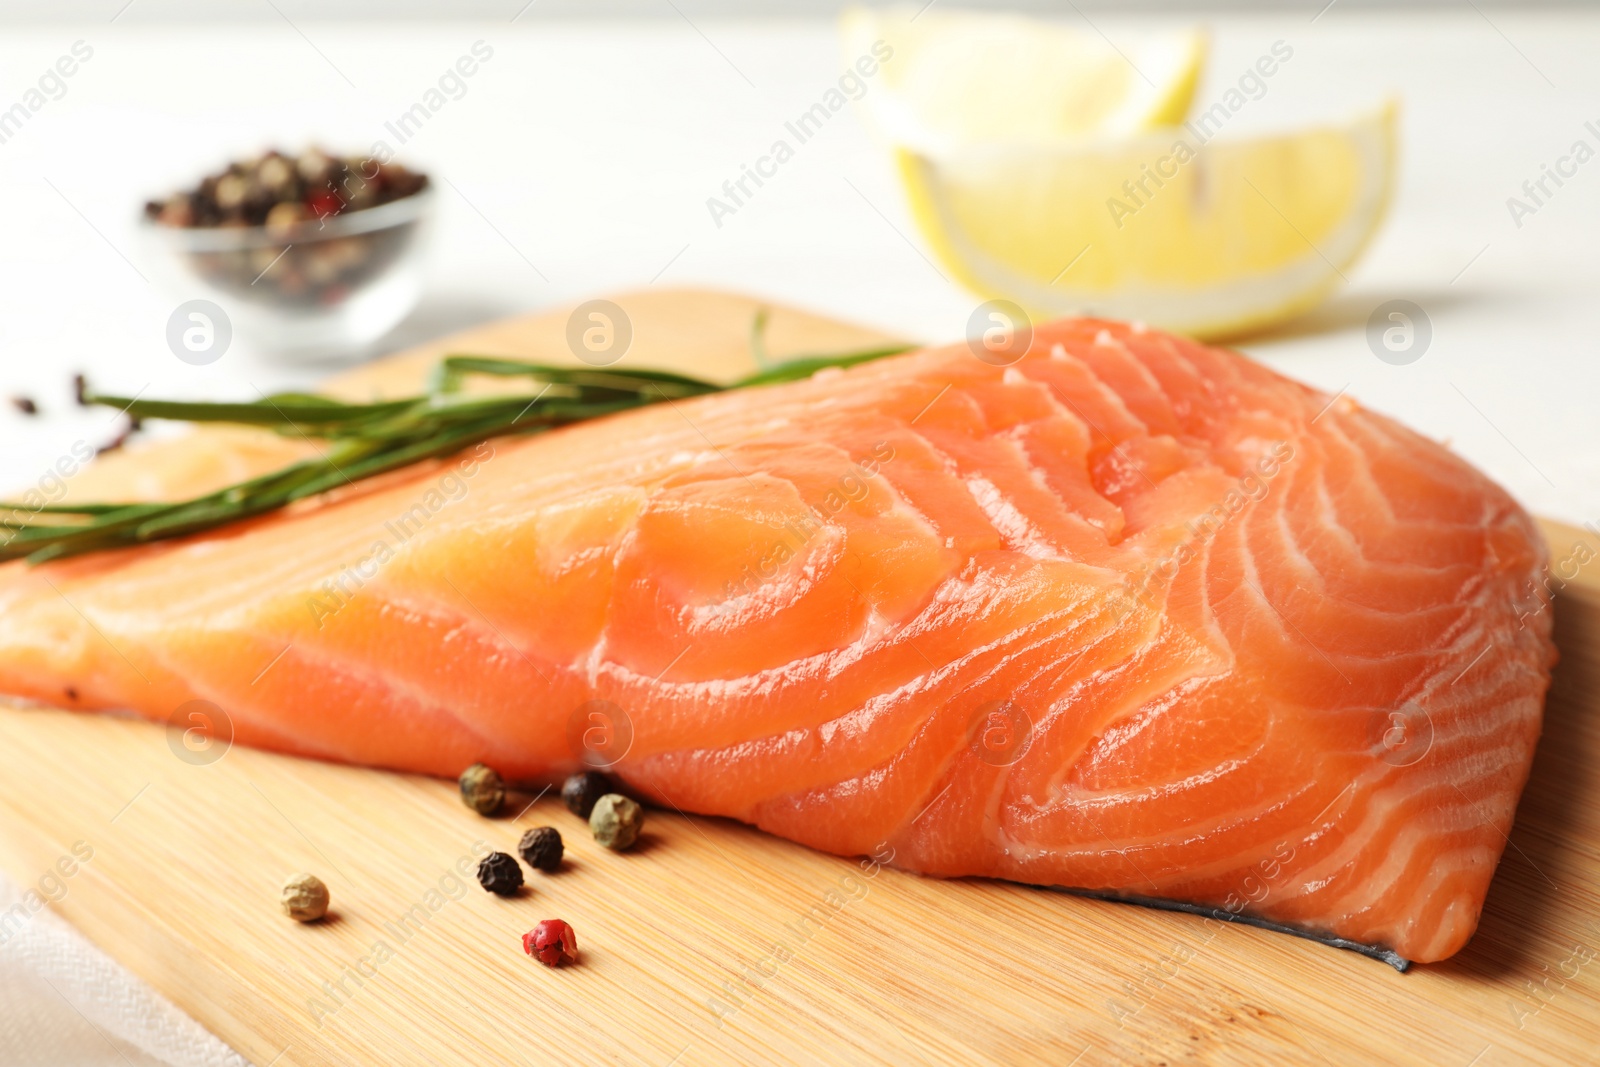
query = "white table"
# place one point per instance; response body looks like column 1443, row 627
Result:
column 581, row 157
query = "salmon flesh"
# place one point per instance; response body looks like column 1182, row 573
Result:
column 1130, row 614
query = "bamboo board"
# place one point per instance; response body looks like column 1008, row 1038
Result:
column 713, row 943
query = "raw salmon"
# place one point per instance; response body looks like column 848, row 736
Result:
column 1131, row 614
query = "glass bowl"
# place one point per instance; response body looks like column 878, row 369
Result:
column 318, row 289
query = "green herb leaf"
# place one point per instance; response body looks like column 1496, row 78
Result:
column 370, row 439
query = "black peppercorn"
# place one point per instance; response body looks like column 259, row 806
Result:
column 541, row 848
column 581, row 791
column 500, row 874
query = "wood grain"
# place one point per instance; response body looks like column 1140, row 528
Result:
column 714, row 943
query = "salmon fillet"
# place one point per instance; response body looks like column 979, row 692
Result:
column 1132, row 615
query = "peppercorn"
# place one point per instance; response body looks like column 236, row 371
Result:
column 541, row 848
column 305, row 898
column 499, row 873
column 282, row 219
column 314, row 165
column 232, row 189
column 324, row 203
column 580, row 792
column 616, row 821
column 482, row 789
column 25, row 405
column 247, row 191
column 551, row 942
column 275, row 172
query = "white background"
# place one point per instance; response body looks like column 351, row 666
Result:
column 588, row 151
column 591, row 149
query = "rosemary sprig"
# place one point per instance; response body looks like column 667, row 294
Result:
column 367, row 439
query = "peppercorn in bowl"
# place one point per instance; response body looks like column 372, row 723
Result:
column 312, row 255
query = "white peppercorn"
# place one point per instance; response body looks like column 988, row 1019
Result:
column 305, row 898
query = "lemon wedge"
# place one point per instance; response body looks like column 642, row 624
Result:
column 1211, row 238
column 963, row 79
column 1054, row 169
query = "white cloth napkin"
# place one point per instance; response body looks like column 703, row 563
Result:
column 64, row 1003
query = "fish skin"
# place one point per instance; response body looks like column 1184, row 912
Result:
column 1195, row 593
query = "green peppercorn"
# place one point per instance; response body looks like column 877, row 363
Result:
column 541, row 848
column 305, row 898
column 499, row 874
column 482, row 789
column 580, row 791
column 616, row 821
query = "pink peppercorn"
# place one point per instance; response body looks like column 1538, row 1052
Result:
column 551, row 942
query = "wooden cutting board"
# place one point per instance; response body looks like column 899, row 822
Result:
column 714, row 943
